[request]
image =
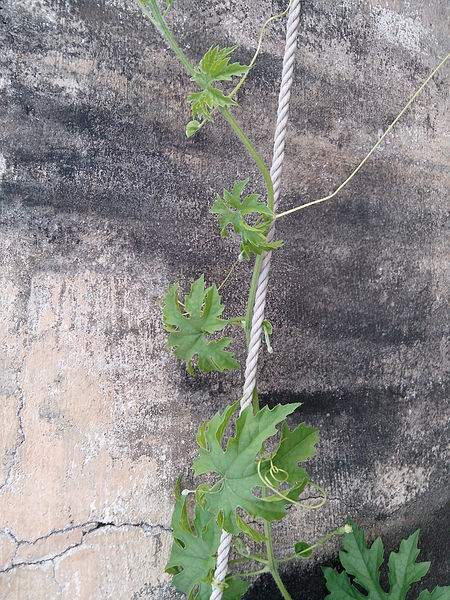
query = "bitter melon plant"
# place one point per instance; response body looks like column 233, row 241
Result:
column 243, row 486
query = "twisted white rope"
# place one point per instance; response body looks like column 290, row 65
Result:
column 261, row 291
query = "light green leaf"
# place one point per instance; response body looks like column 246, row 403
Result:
column 237, row 466
column 191, row 128
column 267, row 330
column 187, row 331
column 214, row 66
column 233, row 212
column 203, row 102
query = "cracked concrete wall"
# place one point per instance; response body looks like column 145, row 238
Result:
column 104, row 202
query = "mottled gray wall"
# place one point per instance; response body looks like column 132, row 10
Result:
column 104, row 202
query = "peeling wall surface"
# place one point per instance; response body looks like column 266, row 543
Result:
column 104, row 201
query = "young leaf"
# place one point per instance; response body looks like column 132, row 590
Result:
column 237, row 465
column 303, row 549
column 364, row 564
column 203, row 102
column 187, row 331
column 191, row 128
column 267, row 330
column 233, row 212
column 214, row 66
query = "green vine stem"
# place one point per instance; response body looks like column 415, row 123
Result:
column 160, row 23
column 272, row 563
column 339, row 531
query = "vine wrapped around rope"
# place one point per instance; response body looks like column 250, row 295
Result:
column 263, row 281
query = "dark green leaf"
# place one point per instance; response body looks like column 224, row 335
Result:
column 237, row 465
column 193, row 553
column 364, row 564
column 235, row 589
column 192, row 560
column 294, row 447
column 187, row 331
column 340, row 587
column 403, row 569
column 439, row 593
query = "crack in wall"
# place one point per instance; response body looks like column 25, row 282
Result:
column 95, row 526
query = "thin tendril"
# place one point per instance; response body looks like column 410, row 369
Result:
column 252, row 573
column 258, row 48
column 228, row 274
column 366, row 158
column 267, row 483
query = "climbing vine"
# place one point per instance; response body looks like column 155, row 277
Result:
column 244, row 486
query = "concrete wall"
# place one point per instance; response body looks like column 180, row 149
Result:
column 104, row 202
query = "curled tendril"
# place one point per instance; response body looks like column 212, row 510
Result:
column 273, row 471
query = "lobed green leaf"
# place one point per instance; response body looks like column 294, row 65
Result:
column 237, row 465
column 188, row 330
column 232, row 211
column 363, row 564
column 214, row 66
column 192, row 560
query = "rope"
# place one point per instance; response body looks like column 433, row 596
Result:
column 263, row 281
